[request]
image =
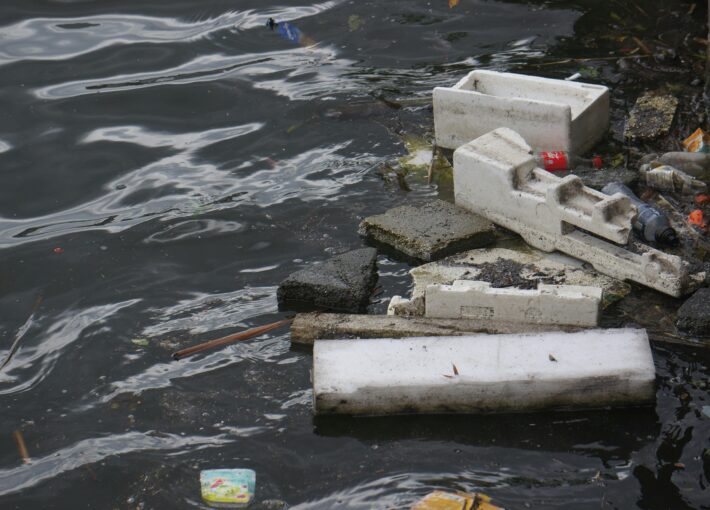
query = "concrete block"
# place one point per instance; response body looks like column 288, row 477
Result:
column 550, row 114
column 484, row 373
column 429, row 231
column 497, row 177
column 548, row 304
column 523, row 268
column 342, row 283
column 309, row 327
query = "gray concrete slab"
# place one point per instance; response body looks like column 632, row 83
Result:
column 429, row 231
column 342, row 283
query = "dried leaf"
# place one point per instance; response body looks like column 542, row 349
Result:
column 551, row 357
column 456, row 370
column 453, row 3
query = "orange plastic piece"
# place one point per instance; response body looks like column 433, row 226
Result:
column 440, row 500
column 699, row 141
column 696, row 218
column 702, row 199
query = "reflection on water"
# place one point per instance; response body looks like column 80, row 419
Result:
column 164, row 167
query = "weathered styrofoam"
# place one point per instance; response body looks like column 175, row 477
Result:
column 548, row 304
column 483, row 373
column 496, row 176
column 550, row 114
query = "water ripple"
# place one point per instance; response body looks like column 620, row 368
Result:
column 192, row 187
column 203, row 313
column 41, row 357
column 65, row 38
column 90, row 451
column 312, row 71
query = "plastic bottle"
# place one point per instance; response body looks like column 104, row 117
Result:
column 668, row 178
column 696, row 164
column 651, row 223
column 558, row 161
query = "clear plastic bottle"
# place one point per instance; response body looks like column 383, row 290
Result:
column 559, row 161
column 651, row 223
column 667, row 178
column 696, row 164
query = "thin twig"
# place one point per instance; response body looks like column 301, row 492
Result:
column 21, row 446
column 244, row 335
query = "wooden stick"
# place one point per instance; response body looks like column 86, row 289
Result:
column 244, row 335
column 21, row 446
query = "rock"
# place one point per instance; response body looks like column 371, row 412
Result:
column 342, row 283
column 430, row 231
column 694, row 314
column 597, row 179
column 651, row 117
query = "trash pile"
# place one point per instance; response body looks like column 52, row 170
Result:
column 514, row 328
column 493, row 329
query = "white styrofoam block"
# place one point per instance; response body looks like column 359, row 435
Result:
column 496, row 373
column 548, row 304
column 496, row 177
column 551, row 114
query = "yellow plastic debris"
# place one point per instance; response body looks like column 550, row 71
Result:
column 699, row 141
column 440, row 500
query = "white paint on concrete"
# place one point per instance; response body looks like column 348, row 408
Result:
column 551, row 114
column 496, row 177
column 483, row 373
column 548, row 304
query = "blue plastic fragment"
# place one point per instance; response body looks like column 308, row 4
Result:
column 288, row 31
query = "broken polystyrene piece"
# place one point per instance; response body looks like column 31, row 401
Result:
column 309, row 327
column 548, row 304
column 523, row 267
column 496, row 176
column 551, row 114
column 484, row 373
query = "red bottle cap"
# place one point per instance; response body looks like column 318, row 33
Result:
column 554, row 161
column 597, row 162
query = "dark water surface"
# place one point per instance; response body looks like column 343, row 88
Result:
column 164, row 165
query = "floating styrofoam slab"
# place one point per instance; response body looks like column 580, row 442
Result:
column 550, row 114
column 548, row 304
column 483, row 373
column 496, row 177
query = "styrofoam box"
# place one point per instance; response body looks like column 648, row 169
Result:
column 552, row 115
column 483, row 373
